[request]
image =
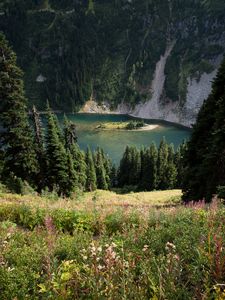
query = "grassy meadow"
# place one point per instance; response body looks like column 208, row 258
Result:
column 104, row 245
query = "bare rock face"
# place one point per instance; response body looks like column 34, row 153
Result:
column 197, row 91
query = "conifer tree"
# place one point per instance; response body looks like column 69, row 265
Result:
column 91, row 184
column 108, row 168
column 72, row 180
column 135, row 167
column 153, row 167
column 179, row 162
column 113, row 177
column 78, row 156
column 57, row 157
column 215, row 159
column 148, row 179
column 100, row 170
column 162, row 165
column 202, row 161
column 124, row 168
column 16, row 138
column 130, row 167
column 39, row 149
column 142, row 157
column 70, row 134
column 171, row 171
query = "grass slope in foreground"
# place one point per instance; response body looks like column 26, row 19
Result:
column 108, row 246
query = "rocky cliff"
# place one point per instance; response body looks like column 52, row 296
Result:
column 152, row 59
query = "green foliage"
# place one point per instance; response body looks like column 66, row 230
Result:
column 130, row 167
column 108, row 50
column 162, row 164
column 148, row 179
column 91, row 181
column 204, row 159
column 137, row 256
column 135, row 125
column 151, row 168
column 100, row 170
column 57, row 176
column 40, row 150
column 221, row 191
column 16, row 136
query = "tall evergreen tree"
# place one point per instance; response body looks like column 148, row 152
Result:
column 153, row 166
column 100, row 170
column 39, row 149
column 78, row 156
column 179, row 162
column 124, row 168
column 72, row 180
column 57, row 157
column 202, row 161
column 91, row 184
column 215, row 160
column 108, row 168
column 70, row 133
column 162, row 165
column 16, row 138
column 135, row 167
column 130, row 167
column 113, row 177
column 171, row 171
column 148, row 180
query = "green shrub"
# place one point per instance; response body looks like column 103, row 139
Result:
column 221, row 192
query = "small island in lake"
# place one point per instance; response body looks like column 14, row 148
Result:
column 131, row 125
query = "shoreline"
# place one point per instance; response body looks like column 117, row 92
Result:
column 158, row 122
column 122, row 126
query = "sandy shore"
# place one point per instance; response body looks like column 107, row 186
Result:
column 147, row 127
column 121, row 126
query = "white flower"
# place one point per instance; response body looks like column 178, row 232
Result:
column 100, row 267
column 145, row 248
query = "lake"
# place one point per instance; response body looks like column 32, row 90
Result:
column 114, row 141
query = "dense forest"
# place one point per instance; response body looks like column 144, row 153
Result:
column 71, row 51
column 52, row 160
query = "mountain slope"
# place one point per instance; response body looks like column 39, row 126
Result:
column 161, row 53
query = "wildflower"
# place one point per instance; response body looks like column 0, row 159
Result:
column 126, row 264
column 170, row 246
column 176, row 257
column 99, row 249
column 145, row 248
column 100, row 267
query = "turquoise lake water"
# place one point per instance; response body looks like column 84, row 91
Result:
column 114, row 142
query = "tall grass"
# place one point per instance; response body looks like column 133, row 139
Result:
column 174, row 253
